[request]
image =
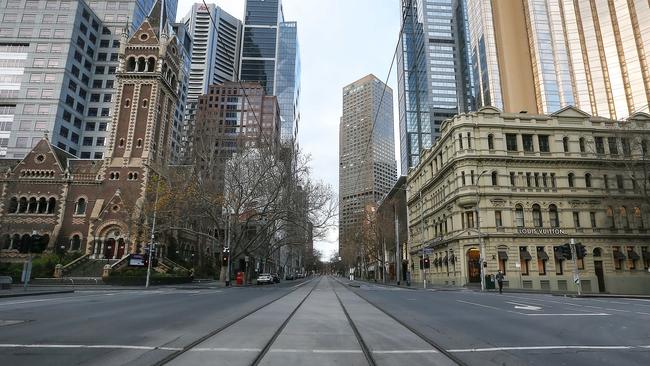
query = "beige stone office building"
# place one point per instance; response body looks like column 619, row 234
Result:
column 539, row 180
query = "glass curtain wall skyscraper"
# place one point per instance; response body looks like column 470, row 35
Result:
column 428, row 75
column 287, row 80
column 270, row 55
column 539, row 56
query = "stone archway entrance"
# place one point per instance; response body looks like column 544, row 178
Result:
column 474, row 265
column 113, row 244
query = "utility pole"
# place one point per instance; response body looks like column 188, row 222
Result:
column 422, row 271
column 576, row 273
column 398, row 253
column 153, row 229
column 480, row 237
column 229, row 251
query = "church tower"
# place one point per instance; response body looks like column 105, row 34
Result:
column 147, row 93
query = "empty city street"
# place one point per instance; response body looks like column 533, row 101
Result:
column 321, row 321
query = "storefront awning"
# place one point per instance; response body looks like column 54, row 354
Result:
column 524, row 255
column 619, row 256
column 542, row 255
column 632, row 255
column 503, row 256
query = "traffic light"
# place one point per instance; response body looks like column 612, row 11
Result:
column 581, row 251
column 566, row 251
column 224, row 257
column 426, row 263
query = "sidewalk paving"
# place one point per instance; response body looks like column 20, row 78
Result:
column 31, row 291
column 419, row 286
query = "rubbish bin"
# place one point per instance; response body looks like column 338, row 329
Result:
column 489, row 282
column 239, row 278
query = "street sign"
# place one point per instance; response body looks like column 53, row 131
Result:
column 576, row 278
column 136, row 260
column 428, row 250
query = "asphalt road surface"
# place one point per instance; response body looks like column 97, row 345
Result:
column 321, row 321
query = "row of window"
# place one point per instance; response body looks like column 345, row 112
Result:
column 32, row 205
column 512, row 144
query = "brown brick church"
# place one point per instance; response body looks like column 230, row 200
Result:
column 95, row 206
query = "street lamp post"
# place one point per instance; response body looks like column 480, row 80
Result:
column 153, row 229
column 423, row 271
column 480, row 237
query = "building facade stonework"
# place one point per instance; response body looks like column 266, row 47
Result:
column 539, row 180
column 96, row 206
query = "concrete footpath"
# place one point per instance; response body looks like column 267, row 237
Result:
column 31, row 291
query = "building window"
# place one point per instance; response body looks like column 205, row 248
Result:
column 623, row 215
column 582, row 144
column 503, row 258
column 495, row 179
column 519, row 216
column 497, row 219
column 592, row 219
column 553, row 182
column 625, row 142
column 638, row 217
column 528, row 180
column 524, row 259
column 632, row 257
column 542, row 257
column 528, row 142
column 511, row 142
column 490, row 142
column 543, row 143
column 613, row 145
column 605, row 182
column 80, row 208
column 645, row 256
column 588, row 180
column 565, row 144
column 553, row 216
column 610, row 217
column 470, row 219
column 618, row 257
column 571, row 180
column 462, row 178
column 620, row 183
column 460, row 140
column 512, row 179
column 469, row 140
column 576, row 219
column 537, row 216
column 600, row 145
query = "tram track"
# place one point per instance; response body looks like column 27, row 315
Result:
column 260, row 356
column 419, row 334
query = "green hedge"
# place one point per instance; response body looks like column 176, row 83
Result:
column 138, row 277
column 42, row 266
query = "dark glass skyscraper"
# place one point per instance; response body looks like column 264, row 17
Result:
column 270, row 55
column 429, row 75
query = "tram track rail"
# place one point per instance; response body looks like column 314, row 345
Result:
column 419, row 334
column 231, row 323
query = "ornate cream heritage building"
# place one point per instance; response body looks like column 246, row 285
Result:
column 539, row 180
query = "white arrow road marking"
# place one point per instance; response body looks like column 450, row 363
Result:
column 525, row 306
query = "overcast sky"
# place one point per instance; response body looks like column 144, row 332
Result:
column 341, row 41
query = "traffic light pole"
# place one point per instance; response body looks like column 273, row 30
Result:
column 576, row 273
column 229, row 252
column 153, row 229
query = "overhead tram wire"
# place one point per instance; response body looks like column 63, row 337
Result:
column 241, row 86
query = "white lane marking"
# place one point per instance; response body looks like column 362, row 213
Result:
column 300, row 284
column 525, row 306
column 290, row 350
column 488, row 306
column 534, row 348
column 407, row 351
column 215, row 349
column 207, row 293
column 571, row 314
column 91, row 346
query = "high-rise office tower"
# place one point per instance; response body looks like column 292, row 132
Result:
column 367, row 167
column 287, row 80
column 215, row 56
column 58, row 60
column 270, row 55
column 429, row 78
column 540, row 56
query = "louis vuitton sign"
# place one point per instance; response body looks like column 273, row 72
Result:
column 541, row 231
